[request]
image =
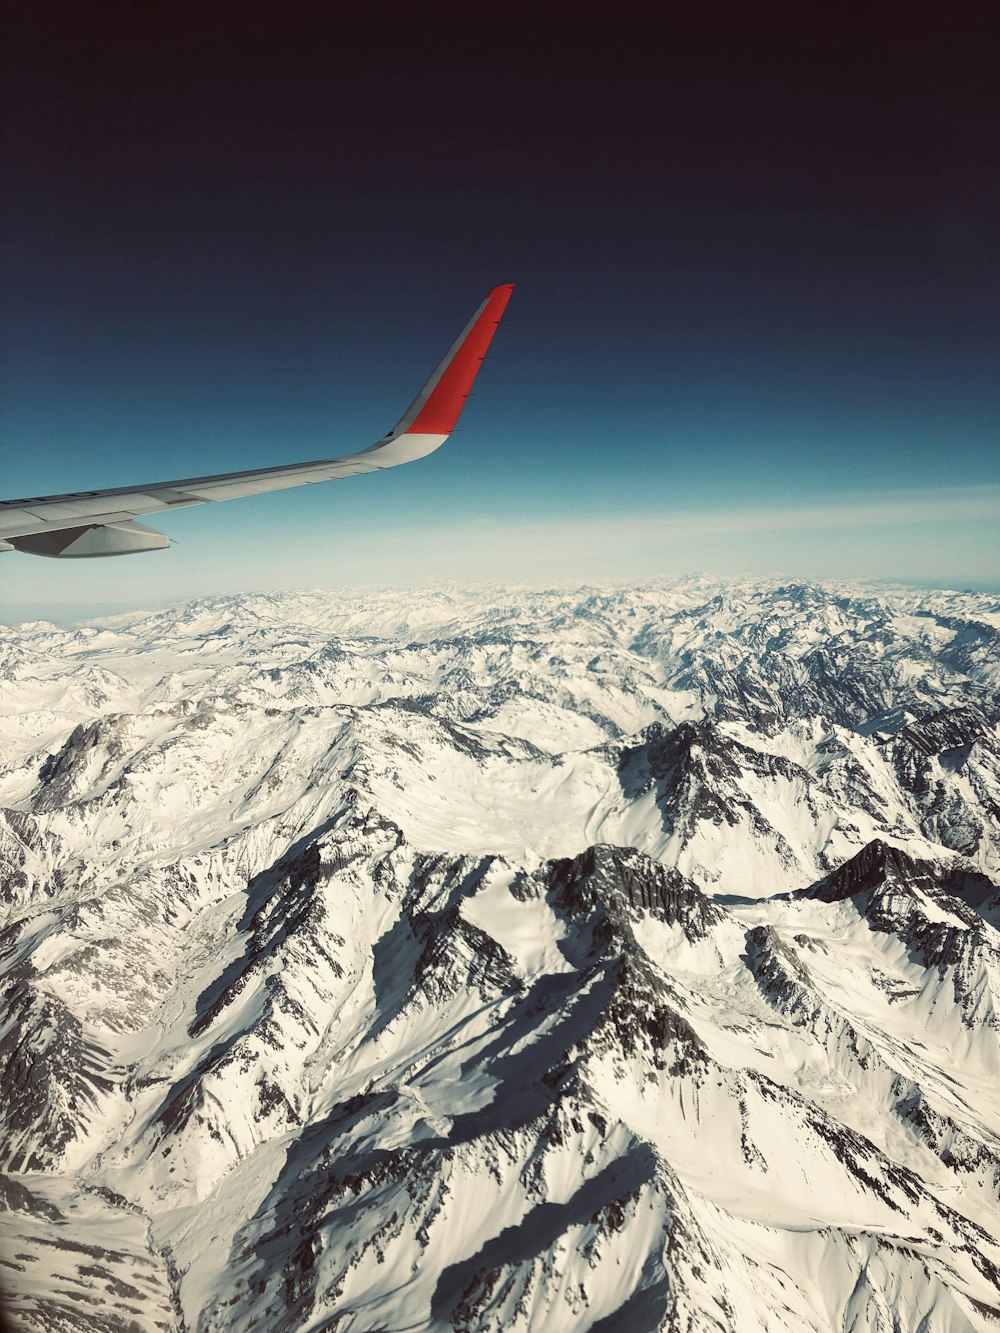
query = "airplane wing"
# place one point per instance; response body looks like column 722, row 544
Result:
column 102, row 523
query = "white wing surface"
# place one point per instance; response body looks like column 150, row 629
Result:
column 102, row 523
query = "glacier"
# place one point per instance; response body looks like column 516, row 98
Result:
column 504, row 958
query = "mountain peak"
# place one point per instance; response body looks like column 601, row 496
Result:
column 626, row 884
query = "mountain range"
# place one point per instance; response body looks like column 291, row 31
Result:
column 499, row 958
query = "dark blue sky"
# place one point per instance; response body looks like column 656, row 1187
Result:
column 758, row 267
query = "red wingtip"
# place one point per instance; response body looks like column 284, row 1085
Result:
column 441, row 410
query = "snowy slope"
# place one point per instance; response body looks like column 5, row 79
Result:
column 497, row 958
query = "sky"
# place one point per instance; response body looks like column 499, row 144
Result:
column 755, row 329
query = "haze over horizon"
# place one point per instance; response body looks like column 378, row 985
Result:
column 754, row 330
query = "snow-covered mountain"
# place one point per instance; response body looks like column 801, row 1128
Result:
column 503, row 959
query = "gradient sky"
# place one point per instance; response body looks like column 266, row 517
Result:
column 755, row 330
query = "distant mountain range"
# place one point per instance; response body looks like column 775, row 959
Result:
column 501, row 959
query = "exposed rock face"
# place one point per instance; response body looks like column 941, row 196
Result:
column 491, row 960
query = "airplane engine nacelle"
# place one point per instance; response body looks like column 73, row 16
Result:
column 125, row 538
